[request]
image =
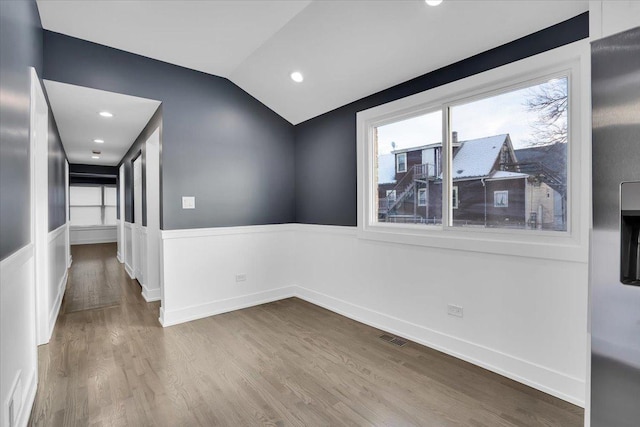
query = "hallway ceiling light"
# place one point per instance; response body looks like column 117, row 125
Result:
column 99, row 141
column 297, row 76
column 105, row 114
column 433, row 2
column 95, row 157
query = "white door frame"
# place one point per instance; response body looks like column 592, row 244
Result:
column 39, row 159
column 121, row 236
column 151, row 289
column 136, row 227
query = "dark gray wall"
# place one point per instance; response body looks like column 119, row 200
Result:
column 92, row 174
column 138, row 149
column 325, row 146
column 219, row 144
column 20, row 48
column 57, row 181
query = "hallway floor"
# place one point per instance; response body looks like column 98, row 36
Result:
column 110, row 363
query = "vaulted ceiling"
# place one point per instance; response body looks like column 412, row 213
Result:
column 345, row 49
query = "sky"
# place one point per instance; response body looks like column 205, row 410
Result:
column 504, row 113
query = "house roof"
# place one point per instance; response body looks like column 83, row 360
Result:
column 498, row 175
column 476, row 157
column 386, row 168
column 554, row 159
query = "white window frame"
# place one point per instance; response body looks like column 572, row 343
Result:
column 422, row 190
column 495, row 198
column 389, row 193
column 572, row 60
column 403, row 155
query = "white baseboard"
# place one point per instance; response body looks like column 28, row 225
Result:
column 55, row 310
column 473, row 353
column 150, row 295
column 92, row 241
column 27, row 406
column 69, row 261
column 120, row 259
column 169, row 318
column 129, row 270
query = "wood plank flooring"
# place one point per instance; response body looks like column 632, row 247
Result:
column 279, row 364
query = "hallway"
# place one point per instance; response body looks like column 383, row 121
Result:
column 285, row 363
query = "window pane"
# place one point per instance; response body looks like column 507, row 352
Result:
column 85, row 215
column 110, row 196
column 85, row 196
column 408, row 170
column 510, row 159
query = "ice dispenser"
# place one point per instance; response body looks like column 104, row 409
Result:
column 630, row 233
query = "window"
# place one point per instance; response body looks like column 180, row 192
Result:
column 495, row 153
column 501, row 199
column 92, row 205
column 454, row 197
column 422, row 197
column 401, row 162
column 391, row 195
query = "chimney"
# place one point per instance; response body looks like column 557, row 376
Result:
column 454, row 138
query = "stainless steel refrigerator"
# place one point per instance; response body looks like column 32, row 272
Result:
column 615, row 258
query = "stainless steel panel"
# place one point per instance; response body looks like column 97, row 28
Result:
column 615, row 307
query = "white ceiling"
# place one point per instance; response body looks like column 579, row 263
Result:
column 76, row 111
column 346, row 49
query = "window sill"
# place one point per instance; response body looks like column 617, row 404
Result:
column 521, row 243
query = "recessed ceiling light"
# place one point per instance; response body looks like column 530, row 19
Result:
column 99, row 141
column 297, row 76
column 106, row 114
column 95, row 157
column 433, row 2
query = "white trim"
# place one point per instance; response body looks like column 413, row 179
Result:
column 119, row 257
column 398, row 155
column 30, row 398
column 150, row 295
column 169, row 318
column 55, row 309
column 224, row 231
column 58, row 231
column 573, row 59
column 129, row 271
column 453, row 346
column 16, row 259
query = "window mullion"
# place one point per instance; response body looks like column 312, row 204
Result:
column 446, row 155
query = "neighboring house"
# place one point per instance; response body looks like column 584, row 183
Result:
column 489, row 188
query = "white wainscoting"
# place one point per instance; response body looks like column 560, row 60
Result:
column 140, row 254
column 120, row 249
column 87, row 235
column 18, row 370
column 199, row 269
column 524, row 318
column 58, row 274
column 128, row 248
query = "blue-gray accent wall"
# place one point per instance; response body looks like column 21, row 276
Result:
column 219, row 144
column 325, row 147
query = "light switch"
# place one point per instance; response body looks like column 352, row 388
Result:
column 188, row 202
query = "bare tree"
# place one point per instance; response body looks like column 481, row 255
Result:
column 550, row 101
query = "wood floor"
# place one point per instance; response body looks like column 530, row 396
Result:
column 279, row 364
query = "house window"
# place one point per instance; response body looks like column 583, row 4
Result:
column 454, row 197
column 422, row 197
column 401, row 162
column 391, row 195
column 512, row 132
column 92, row 205
column 501, row 199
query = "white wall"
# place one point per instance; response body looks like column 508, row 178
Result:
column 80, row 235
column 151, row 287
column 524, row 318
column 200, row 268
column 58, row 262
column 18, row 334
column 128, row 248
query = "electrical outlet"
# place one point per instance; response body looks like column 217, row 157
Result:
column 454, row 310
column 242, row 277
